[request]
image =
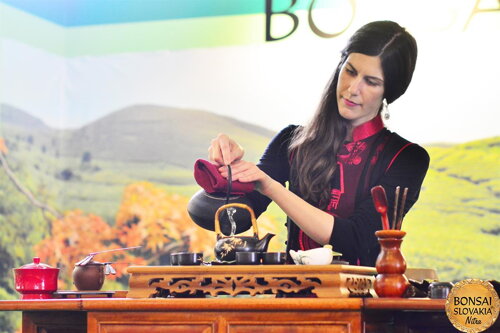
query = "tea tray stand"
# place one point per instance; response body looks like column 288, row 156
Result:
column 325, row 281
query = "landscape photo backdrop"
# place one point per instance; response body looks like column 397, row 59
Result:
column 105, row 106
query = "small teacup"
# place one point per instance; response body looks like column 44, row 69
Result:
column 319, row 256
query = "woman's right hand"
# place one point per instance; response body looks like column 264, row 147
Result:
column 223, row 150
column 247, row 172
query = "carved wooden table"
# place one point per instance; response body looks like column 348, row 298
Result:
column 233, row 314
column 233, row 280
column 226, row 303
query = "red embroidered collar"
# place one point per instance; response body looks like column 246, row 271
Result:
column 367, row 129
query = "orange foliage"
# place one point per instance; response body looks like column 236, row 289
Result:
column 150, row 217
column 3, row 146
column 76, row 235
column 72, row 238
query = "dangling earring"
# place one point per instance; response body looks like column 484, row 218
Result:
column 385, row 110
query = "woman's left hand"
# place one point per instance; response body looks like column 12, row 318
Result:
column 247, row 172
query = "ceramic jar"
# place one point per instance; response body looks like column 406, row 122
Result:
column 89, row 276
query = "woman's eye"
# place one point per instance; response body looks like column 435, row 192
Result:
column 372, row 83
column 350, row 71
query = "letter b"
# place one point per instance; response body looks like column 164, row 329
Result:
column 269, row 13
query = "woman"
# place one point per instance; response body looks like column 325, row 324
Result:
column 332, row 163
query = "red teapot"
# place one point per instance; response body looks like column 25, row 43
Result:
column 36, row 280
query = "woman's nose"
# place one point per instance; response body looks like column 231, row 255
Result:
column 354, row 86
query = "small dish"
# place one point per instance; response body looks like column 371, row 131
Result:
column 248, row 258
column 273, row 258
column 186, row 258
column 318, row 256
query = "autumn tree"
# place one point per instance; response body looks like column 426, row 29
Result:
column 72, row 237
column 157, row 220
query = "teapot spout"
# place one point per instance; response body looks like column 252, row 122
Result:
column 263, row 243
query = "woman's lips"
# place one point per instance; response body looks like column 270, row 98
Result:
column 349, row 102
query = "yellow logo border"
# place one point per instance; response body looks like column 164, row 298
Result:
column 456, row 291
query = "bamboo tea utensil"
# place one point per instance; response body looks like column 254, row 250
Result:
column 380, row 201
column 401, row 209
column 395, row 213
column 88, row 258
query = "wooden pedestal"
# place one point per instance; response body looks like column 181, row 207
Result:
column 201, row 281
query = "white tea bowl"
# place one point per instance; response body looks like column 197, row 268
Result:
column 319, row 256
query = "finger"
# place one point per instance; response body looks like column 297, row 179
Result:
column 223, row 171
column 240, row 167
column 225, row 148
column 214, row 153
column 236, row 168
column 237, row 151
column 249, row 175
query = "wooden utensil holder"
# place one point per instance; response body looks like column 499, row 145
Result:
column 390, row 264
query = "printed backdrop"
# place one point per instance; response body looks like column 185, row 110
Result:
column 105, row 105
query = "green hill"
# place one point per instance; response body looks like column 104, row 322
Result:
column 455, row 226
column 140, row 133
column 89, row 167
column 155, row 134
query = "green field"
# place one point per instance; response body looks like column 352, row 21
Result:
column 455, row 226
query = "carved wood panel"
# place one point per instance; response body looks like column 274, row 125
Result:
column 322, row 281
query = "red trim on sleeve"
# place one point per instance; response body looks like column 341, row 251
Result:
column 395, row 156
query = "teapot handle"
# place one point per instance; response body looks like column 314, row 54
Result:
column 239, row 205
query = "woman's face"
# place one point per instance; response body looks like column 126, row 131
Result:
column 360, row 88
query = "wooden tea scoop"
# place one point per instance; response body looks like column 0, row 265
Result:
column 88, row 258
column 380, row 201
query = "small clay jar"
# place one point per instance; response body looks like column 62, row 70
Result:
column 89, row 276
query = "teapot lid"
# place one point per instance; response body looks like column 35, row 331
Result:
column 36, row 265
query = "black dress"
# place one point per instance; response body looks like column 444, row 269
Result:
column 376, row 156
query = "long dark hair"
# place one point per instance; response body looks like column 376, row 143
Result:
column 314, row 148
